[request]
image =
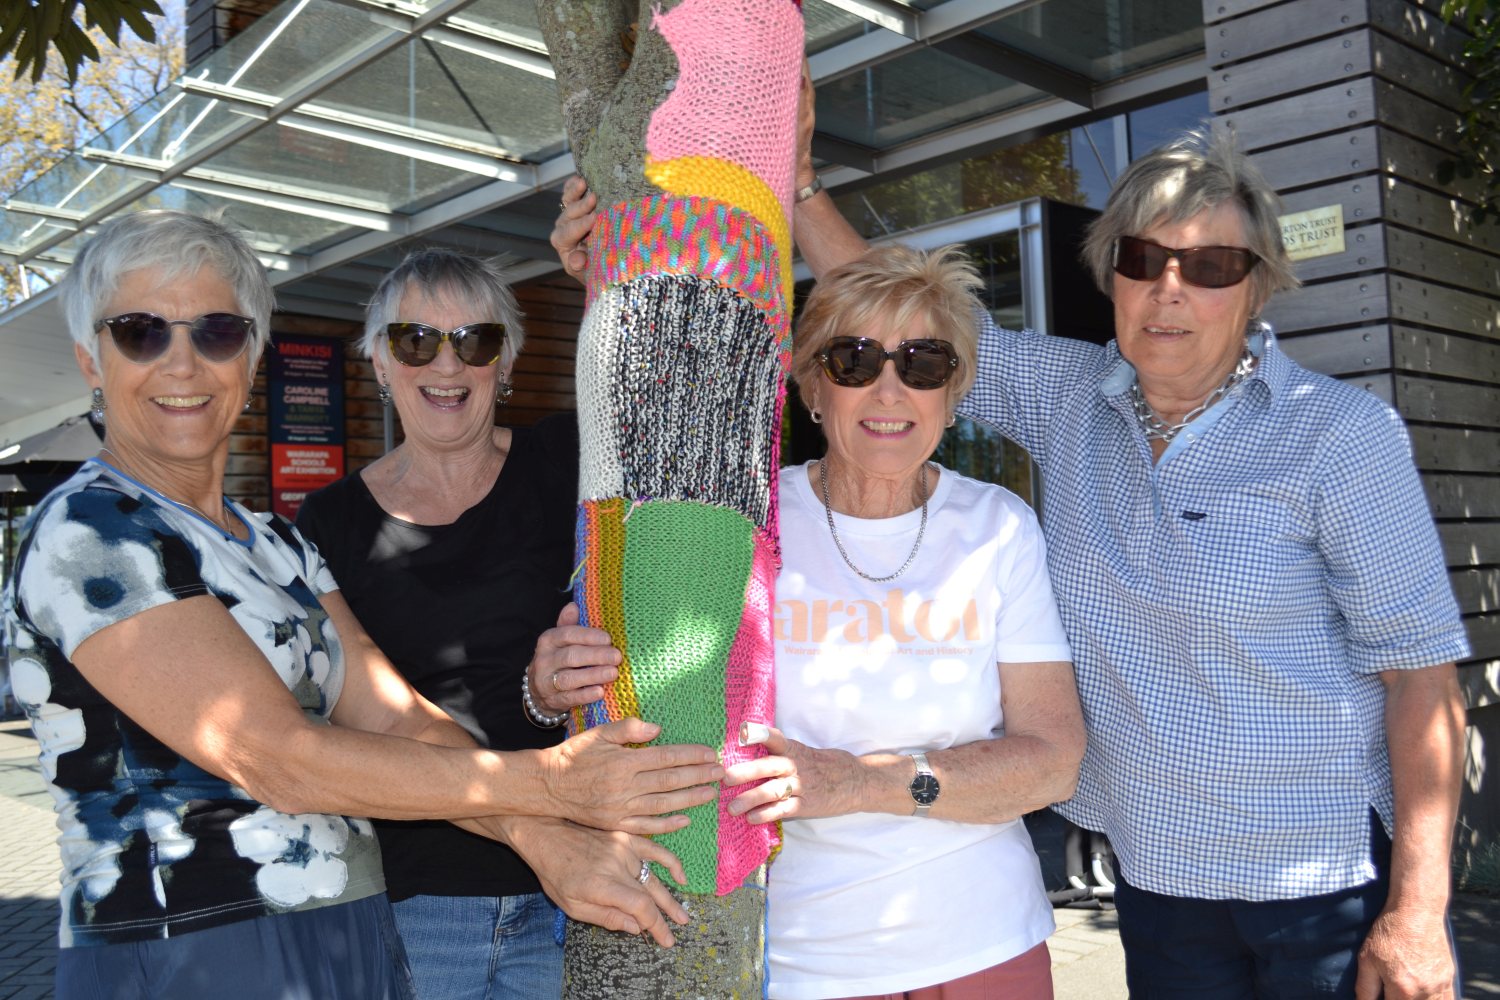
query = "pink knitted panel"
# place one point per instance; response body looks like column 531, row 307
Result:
column 750, row 694
column 736, row 93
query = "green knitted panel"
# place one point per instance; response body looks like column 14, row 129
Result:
column 686, row 568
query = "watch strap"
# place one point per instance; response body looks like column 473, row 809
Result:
column 922, row 769
column 807, row 192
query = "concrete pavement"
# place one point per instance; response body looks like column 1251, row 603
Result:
column 1087, row 961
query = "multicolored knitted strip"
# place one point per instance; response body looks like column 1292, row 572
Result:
column 704, row 177
column 694, row 236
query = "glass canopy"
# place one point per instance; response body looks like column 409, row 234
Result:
column 333, row 131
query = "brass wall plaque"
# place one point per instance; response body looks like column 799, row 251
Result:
column 1314, row 233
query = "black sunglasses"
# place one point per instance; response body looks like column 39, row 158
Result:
column 855, row 361
column 416, row 344
column 143, row 337
column 1206, row 267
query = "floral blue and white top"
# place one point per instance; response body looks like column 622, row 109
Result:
column 152, row 845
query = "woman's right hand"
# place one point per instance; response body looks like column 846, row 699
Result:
column 574, row 223
column 598, row 778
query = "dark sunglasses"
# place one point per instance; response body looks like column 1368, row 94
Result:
column 855, row 361
column 143, row 337
column 416, row 344
column 1206, row 267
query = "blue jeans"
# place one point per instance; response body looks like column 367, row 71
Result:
column 482, row 947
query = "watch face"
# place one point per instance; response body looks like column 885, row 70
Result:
column 924, row 789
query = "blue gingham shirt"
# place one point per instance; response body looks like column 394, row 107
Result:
column 1230, row 608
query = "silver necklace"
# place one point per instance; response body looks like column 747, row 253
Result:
column 1157, row 429
column 176, row 503
column 828, row 510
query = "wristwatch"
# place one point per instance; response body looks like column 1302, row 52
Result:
column 924, row 785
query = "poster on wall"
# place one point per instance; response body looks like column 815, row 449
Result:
column 306, row 389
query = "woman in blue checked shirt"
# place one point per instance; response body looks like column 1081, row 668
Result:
column 1258, row 606
column 1259, row 612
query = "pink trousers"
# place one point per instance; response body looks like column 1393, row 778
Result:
column 1028, row 976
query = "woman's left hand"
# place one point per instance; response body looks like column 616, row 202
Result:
column 796, row 781
column 594, row 876
column 572, row 664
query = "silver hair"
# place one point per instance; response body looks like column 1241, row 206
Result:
column 1196, row 172
column 444, row 274
column 176, row 244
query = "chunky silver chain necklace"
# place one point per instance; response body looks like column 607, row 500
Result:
column 1157, row 429
column 828, row 509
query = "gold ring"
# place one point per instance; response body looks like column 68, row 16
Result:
column 786, row 789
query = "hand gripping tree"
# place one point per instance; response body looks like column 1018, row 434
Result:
column 688, row 143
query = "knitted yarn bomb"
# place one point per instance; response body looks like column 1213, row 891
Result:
column 733, row 90
column 682, row 359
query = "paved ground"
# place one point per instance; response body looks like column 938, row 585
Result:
column 1086, row 959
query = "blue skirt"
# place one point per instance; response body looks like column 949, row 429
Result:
column 348, row 951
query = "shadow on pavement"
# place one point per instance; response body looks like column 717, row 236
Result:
column 28, row 928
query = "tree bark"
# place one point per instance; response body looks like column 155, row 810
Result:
column 686, row 134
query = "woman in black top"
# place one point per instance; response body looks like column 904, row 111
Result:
column 455, row 549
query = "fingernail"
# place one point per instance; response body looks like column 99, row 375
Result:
column 753, row 734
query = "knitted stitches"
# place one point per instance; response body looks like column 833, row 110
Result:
column 737, row 78
column 701, row 176
column 677, row 628
column 695, row 236
column 682, row 359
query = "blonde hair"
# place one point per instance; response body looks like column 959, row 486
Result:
column 890, row 287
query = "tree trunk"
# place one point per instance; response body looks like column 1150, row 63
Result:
column 686, row 134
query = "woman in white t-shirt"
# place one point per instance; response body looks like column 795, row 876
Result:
column 924, row 694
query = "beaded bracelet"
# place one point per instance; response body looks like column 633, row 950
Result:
column 534, row 714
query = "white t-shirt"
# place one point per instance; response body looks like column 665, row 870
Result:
column 871, row 903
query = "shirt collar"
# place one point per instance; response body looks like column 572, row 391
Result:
column 1272, row 372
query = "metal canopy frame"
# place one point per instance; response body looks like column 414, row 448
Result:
column 505, row 187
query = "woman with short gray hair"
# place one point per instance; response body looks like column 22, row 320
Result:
column 456, row 548
column 1257, row 603
column 213, row 721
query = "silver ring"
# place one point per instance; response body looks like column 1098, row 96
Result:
column 645, row 875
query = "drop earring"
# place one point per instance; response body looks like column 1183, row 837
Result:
column 503, row 391
column 97, row 405
column 385, row 393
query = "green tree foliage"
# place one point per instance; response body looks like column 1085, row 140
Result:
column 34, row 31
column 44, row 120
column 1479, row 133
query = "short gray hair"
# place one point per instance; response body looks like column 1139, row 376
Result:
column 176, row 243
column 444, row 274
column 892, row 285
column 1196, row 172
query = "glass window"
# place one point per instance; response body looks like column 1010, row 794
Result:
column 1095, row 156
column 1039, row 168
column 1161, row 123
